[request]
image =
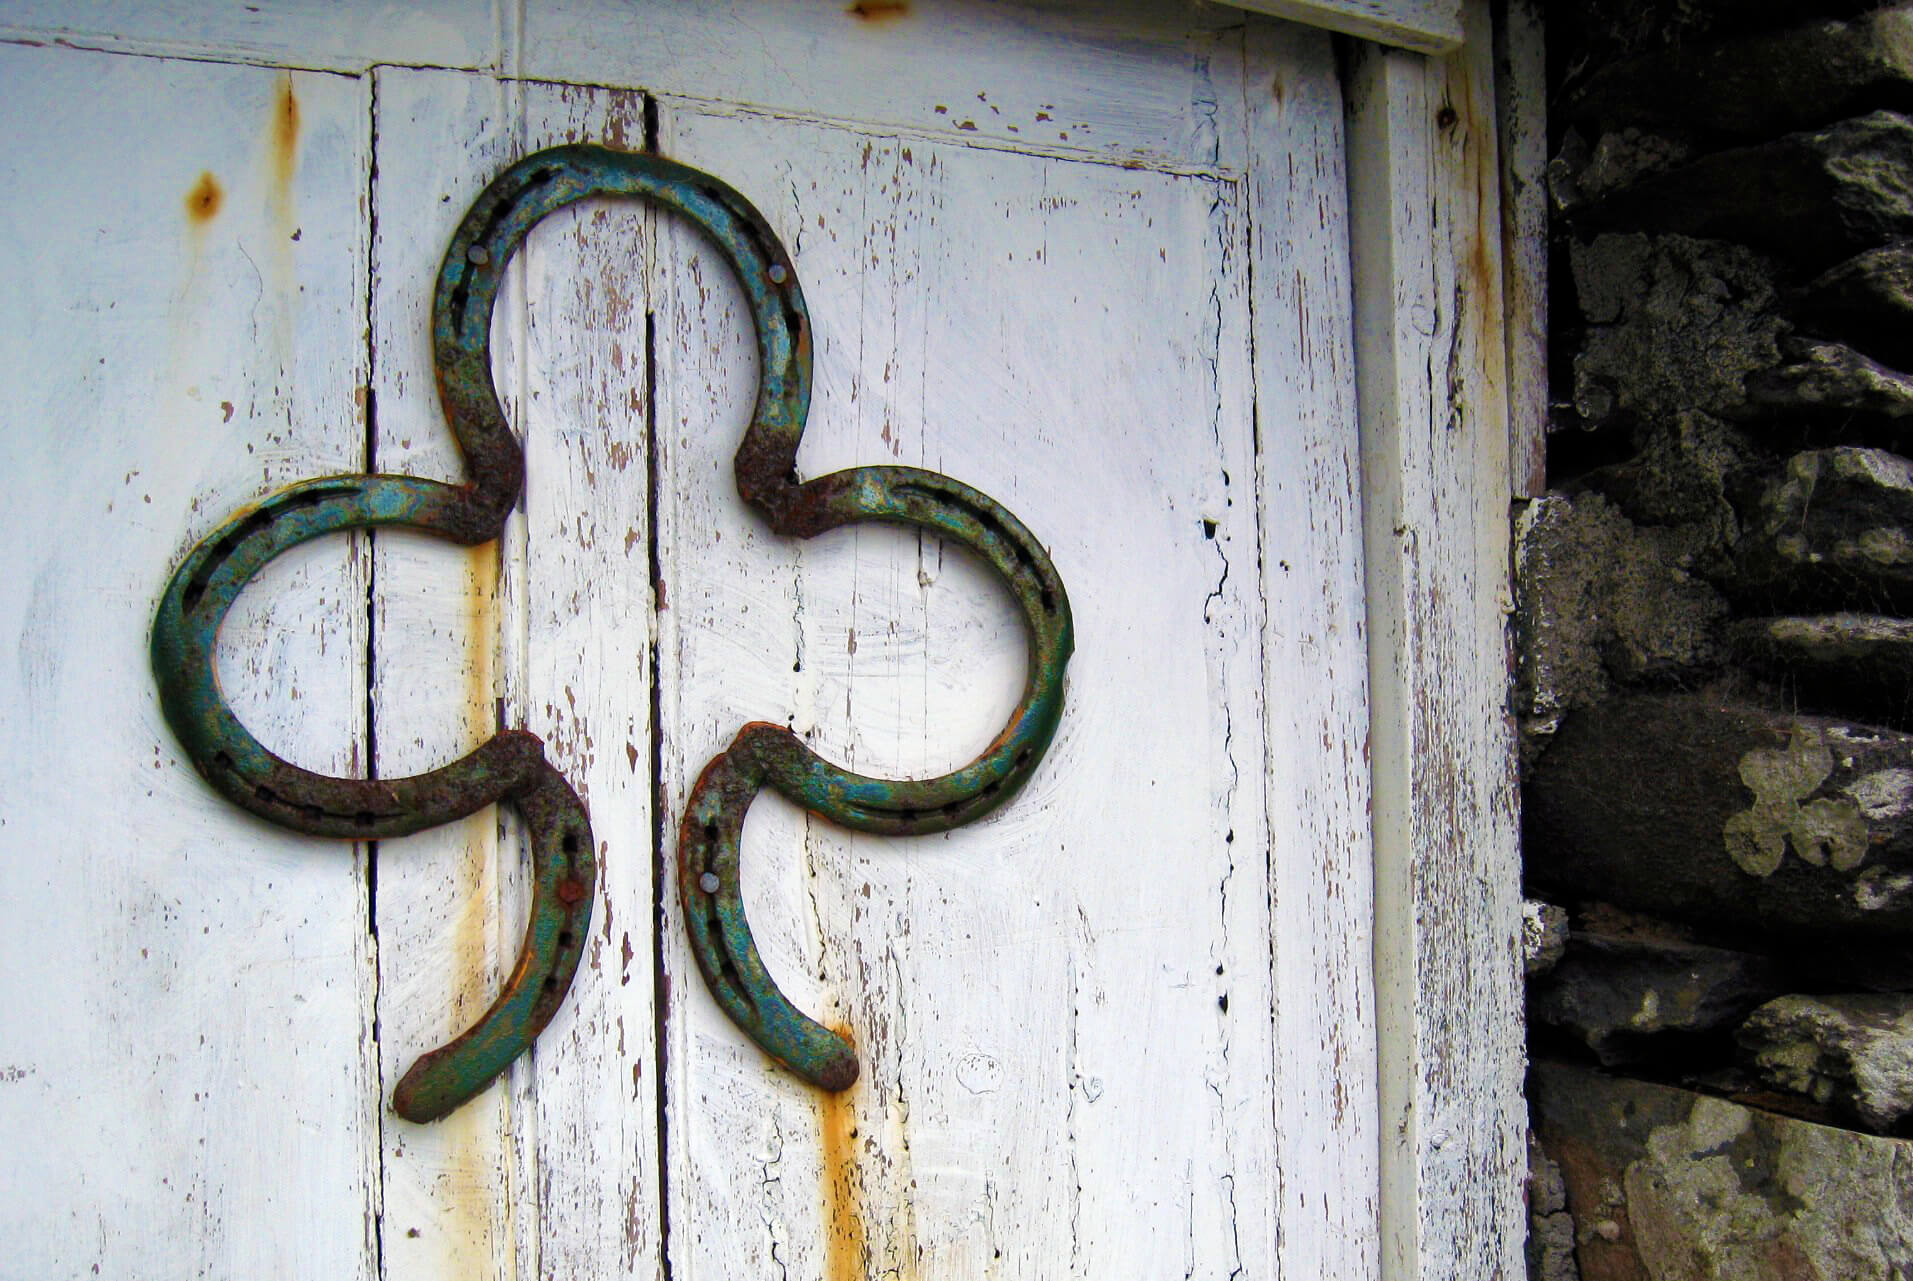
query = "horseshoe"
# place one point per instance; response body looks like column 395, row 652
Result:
column 512, row 766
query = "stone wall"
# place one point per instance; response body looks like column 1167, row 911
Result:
column 1716, row 658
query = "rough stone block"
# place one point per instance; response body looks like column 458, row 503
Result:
column 1811, row 198
column 1674, row 325
column 1759, row 85
column 1834, row 530
column 1624, row 997
column 1745, row 822
column 1599, row 597
column 1580, row 175
column 1848, row 664
column 1853, row 1051
column 1668, row 1185
column 1867, row 302
column 1604, row 32
column 1550, row 1226
column 1829, row 381
column 1544, row 936
column 1680, row 474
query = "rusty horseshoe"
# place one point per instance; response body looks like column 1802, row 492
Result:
column 512, row 766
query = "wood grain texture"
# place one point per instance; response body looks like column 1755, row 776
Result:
column 577, row 378
column 1063, row 1011
column 312, row 34
column 553, row 1173
column 1030, row 73
column 1521, row 109
column 1432, row 382
column 186, row 1025
column 1423, row 26
column 444, row 912
column 1315, row 657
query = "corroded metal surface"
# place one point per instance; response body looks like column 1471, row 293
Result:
column 511, row 766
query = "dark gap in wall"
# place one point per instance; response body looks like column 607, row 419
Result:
column 371, row 465
column 660, row 829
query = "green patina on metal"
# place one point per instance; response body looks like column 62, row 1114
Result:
column 512, row 766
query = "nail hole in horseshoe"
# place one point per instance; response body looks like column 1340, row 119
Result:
column 564, row 938
column 989, row 522
column 262, row 519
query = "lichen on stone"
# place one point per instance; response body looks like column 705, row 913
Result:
column 1822, row 831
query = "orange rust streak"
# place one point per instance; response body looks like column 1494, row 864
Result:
column 285, row 131
column 878, row 10
column 844, row 1246
column 203, row 201
column 480, row 637
column 473, row 928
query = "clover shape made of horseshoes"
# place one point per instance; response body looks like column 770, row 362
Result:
column 512, row 765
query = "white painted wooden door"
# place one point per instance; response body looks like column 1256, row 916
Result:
column 1093, row 263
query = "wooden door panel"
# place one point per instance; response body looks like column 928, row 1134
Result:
column 1123, row 1027
column 187, row 1032
column 1062, row 1017
column 1314, row 660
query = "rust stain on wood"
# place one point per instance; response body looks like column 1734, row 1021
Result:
column 879, row 10
column 482, row 563
column 844, row 1240
column 472, row 931
column 204, row 200
column 285, row 129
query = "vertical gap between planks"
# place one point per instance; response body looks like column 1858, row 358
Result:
column 371, row 462
column 1252, row 229
column 660, row 846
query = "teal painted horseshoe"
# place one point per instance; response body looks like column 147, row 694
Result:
column 512, row 766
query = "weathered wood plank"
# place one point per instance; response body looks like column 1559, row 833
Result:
column 301, row 33
column 577, row 390
column 1521, row 106
column 1424, row 26
column 554, row 1174
column 443, row 931
column 1423, row 194
column 1315, row 659
column 187, row 1022
column 1064, row 1011
column 1133, row 79
column 1028, row 73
